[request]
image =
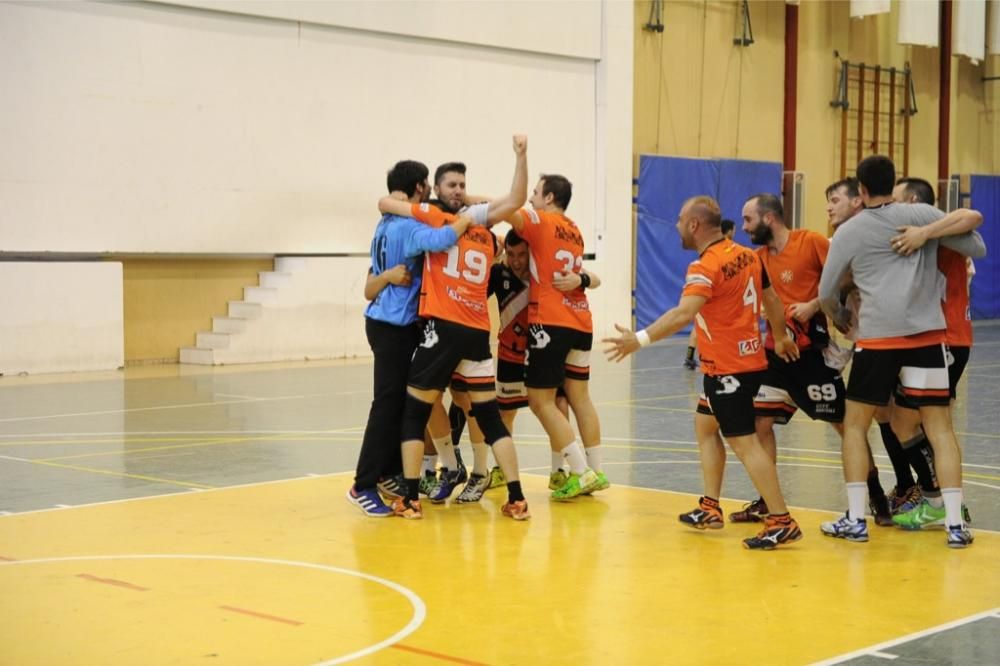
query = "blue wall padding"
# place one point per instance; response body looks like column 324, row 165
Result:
column 665, row 183
column 985, row 294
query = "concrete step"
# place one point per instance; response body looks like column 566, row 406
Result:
column 228, row 324
column 290, row 264
column 274, row 279
column 245, row 310
column 262, row 295
column 209, row 340
column 197, row 356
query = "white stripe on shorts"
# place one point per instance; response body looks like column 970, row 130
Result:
column 579, row 358
column 923, row 378
column 475, row 369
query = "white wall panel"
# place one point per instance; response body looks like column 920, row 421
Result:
column 559, row 27
column 153, row 128
column 60, row 317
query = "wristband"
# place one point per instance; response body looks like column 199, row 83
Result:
column 643, row 338
column 584, row 281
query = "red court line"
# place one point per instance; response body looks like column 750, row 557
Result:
column 437, row 655
column 263, row 616
column 112, row 581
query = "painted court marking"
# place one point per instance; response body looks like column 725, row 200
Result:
column 879, row 650
column 419, row 608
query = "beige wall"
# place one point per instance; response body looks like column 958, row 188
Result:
column 698, row 95
column 167, row 301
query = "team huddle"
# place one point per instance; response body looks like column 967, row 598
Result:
column 433, row 262
column 893, row 280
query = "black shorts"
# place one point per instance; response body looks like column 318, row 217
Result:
column 921, row 372
column 808, row 384
column 452, row 354
column 958, row 358
column 556, row 353
column 730, row 399
column 511, row 392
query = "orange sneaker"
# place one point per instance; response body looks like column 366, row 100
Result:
column 409, row 509
column 517, row 510
column 708, row 515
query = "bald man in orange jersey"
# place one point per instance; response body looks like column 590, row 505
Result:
column 723, row 293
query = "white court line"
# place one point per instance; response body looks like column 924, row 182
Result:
column 143, row 433
column 884, row 655
column 419, row 607
column 239, row 397
column 905, row 639
column 184, row 406
column 179, row 492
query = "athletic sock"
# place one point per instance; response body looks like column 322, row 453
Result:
column 430, row 464
column 593, row 454
column 457, row 418
column 875, row 490
column 574, row 457
column 514, row 493
column 921, row 458
column 557, row 461
column 856, row 500
column 480, row 458
column 952, row 506
column 446, row 451
column 412, row 489
column 898, row 457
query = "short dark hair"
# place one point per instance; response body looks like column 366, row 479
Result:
column 769, row 203
column 559, row 187
column 878, row 174
column 850, row 184
column 512, row 238
column 727, row 225
column 448, row 167
column 405, row 176
column 919, row 188
column 705, row 208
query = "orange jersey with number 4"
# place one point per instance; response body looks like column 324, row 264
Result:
column 730, row 278
column 455, row 281
column 555, row 246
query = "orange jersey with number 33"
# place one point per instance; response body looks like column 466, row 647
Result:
column 556, row 246
column 455, row 281
column 730, row 278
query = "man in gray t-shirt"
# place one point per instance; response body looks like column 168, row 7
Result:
column 900, row 332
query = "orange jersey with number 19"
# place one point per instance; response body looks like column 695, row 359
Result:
column 556, row 246
column 730, row 278
column 455, row 281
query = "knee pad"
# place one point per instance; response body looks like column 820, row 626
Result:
column 415, row 415
column 487, row 415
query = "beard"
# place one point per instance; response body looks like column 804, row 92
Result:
column 762, row 235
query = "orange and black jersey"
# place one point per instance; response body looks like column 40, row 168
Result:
column 957, row 319
column 731, row 278
column 512, row 302
column 795, row 273
column 455, row 282
column 555, row 246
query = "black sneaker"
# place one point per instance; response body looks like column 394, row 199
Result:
column 881, row 511
column 776, row 532
column 752, row 512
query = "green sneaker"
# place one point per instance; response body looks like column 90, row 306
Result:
column 923, row 515
column 602, row 484
column 497, row 478
column 557, row 479
column 428, row 481
column 577, row 484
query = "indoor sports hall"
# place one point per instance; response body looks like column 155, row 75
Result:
column 188, row 196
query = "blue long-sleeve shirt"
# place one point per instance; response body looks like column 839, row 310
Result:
column 403, row 240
